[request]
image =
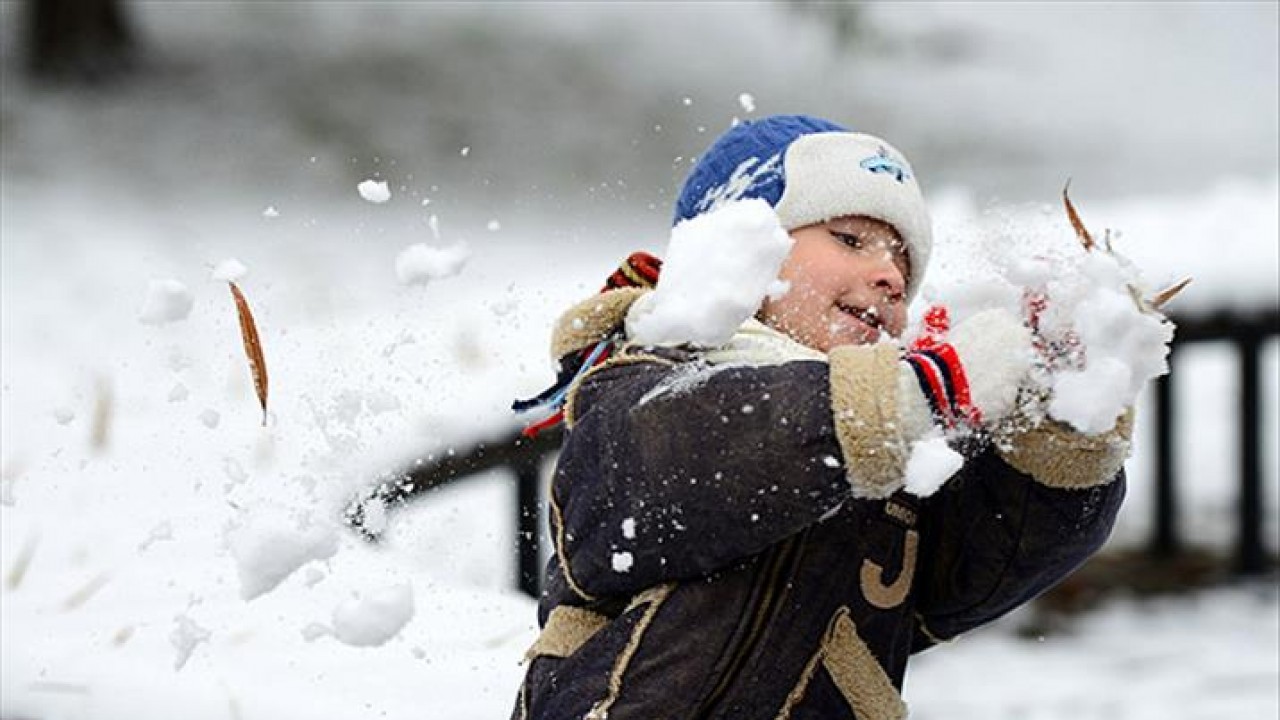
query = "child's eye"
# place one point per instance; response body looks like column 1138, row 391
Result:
column 849, row 239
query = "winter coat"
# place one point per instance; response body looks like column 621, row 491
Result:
column 724, row 547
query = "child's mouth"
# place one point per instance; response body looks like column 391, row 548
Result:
column 869, row 316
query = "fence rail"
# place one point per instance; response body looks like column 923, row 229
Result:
column 1247, row 332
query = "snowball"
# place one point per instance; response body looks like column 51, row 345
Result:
column 178, row 393
column 167, row 301
column 420, row 264
column 931, row 464
column 718, row 268
column 161, row 532
column 629, row 528
column 315, row 631
column 271, row 212
column 234, row 471
column 748, row 102
column 1100, row 348
column 1123, row 348
column 210, row 418
column 268, row 549
column 374, row 618
column 622, row 562
column 1091, row 400
column 186, row 636
column 229, row 270
column 375, row 191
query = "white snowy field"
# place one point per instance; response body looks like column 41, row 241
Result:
column 142, row 502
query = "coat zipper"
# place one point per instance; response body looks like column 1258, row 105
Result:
column 776, row 574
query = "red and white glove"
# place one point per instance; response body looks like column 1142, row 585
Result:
column 970, row 375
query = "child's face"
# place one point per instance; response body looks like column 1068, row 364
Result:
column 848, row 279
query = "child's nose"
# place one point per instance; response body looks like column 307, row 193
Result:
column 887, row 277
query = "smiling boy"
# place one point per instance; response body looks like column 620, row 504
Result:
column 740, row 545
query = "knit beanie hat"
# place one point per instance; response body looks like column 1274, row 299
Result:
column 812, row 170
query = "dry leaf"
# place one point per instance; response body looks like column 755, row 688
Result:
column 87, row 591
column 1164, row 296
column 103, row 413
column 1085, row 238
column 23, row 561
column 252, row 347
column 1155, row 303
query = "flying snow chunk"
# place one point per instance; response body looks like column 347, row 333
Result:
column 186, row 636
column 167, row 301
column 271, row 212
column 269, row 549
column 229, row 270
column 419, row 264
column 719, row 267
column 931, row 464
column 375, row 191
column 375, row 617
column 748, row 102
column 622, row 562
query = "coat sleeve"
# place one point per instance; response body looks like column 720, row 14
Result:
column 1013, row 524
column 671, row 471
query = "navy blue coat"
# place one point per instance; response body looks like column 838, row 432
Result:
column 712, row 562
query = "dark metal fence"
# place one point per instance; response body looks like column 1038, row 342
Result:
column 523, row 457
column 1246, row 332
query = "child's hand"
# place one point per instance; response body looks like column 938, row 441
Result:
column 973, row 372
column 997, row 353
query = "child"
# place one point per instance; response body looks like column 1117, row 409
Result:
column 732, row 537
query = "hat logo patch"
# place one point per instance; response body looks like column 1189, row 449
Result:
column 881, row 162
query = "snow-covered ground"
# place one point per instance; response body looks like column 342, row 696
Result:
column 142, row 501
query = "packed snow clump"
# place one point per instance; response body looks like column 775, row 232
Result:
column 1098, row 339
column 268, row 548
column 718, row 268
column 420, row 263
column 1103, row 341
column 185, row 637
column 622, row 562
column 375, row 191
column 167, row 301
column 229, row 270
column 374, row 618
column 932, row 463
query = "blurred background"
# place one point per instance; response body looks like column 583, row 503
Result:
column 144, row 141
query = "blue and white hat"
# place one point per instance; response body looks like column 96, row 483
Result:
column 812, row 170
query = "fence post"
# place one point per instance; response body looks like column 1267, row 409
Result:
column 1250, row 559
column 1165, row 541
column 528, row 534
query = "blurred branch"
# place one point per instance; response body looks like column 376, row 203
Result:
column 78, row 41
column 845, row 19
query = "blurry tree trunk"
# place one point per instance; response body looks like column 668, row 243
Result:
column 78, row 40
